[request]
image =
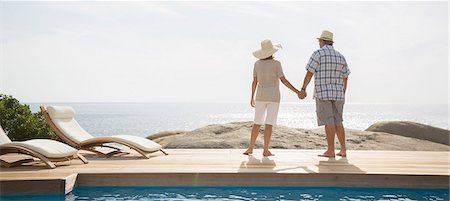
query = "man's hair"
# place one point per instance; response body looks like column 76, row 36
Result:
column 327, row 42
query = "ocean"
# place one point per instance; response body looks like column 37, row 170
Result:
column 143, row 119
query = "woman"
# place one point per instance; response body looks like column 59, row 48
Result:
column 266, row 75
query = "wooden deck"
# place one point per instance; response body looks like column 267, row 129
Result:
column 228, row 167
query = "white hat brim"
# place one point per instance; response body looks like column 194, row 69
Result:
column 262, row 54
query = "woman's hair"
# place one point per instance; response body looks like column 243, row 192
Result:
column 271, row 57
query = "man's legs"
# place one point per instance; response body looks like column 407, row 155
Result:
column 324, row 109
column 338, row 107
column 330, row 131
column 340, row 132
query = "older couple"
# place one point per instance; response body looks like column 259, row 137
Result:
column 330, row 72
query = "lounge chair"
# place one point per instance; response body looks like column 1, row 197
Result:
column 48, row 151
column 61, row 120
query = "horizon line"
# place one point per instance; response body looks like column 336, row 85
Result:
column 231, row 102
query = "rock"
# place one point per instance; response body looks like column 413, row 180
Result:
column 165, row 134
column 236, row 135
column 413, row 130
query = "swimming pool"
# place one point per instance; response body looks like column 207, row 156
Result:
column 240, row 193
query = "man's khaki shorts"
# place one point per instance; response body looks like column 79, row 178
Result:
column 329, row 112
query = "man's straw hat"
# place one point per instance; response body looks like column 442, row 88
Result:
column 267, row 50
column 326, row 35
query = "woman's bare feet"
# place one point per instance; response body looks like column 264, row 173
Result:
column 268, row 153
column 342, row 154
column 327, row 154
column 248, row 152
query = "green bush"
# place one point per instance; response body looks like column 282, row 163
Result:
column 20, row 123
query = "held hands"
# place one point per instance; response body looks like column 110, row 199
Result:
column 302, row 94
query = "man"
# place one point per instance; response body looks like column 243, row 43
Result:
column 330, row 72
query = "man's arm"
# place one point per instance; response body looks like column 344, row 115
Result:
column 306, row 81
column 311, row 68
column 345, row 84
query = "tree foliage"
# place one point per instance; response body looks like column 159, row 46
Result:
column 20, row 123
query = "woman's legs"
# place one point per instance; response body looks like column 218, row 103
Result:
column 271, row 119
column 255, row 132
column 267, row 135
column 260, row 115
column 260, row 118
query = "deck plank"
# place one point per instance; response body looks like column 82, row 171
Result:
column 230, row 166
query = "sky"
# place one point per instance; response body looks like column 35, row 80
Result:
column 202, row 51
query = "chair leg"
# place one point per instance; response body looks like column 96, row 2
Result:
column 82, row 158
column 164, row 152
column 109, row 154
column 5, row 164
column 48, row 162
column 15, row 163
column 142, row 153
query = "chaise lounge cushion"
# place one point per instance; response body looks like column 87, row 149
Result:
column 61, row 112
column 72, row 130
column 48, row 148
column 63, row 118
column 3, row 137
column 139, row 142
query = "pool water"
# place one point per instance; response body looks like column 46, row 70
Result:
column 240, row 193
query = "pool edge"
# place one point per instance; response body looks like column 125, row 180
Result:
column 67, row 184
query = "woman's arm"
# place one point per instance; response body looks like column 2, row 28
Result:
column 289, row 85
column 254, row 84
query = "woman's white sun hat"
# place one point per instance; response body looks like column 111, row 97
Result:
column 267, row 49
column 326, row 35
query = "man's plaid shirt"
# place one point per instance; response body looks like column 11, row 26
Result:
column 329, row 68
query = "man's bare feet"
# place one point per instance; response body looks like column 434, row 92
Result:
column 268, row 153
column 248, row 152
column 342, row 154
column 327, row 154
